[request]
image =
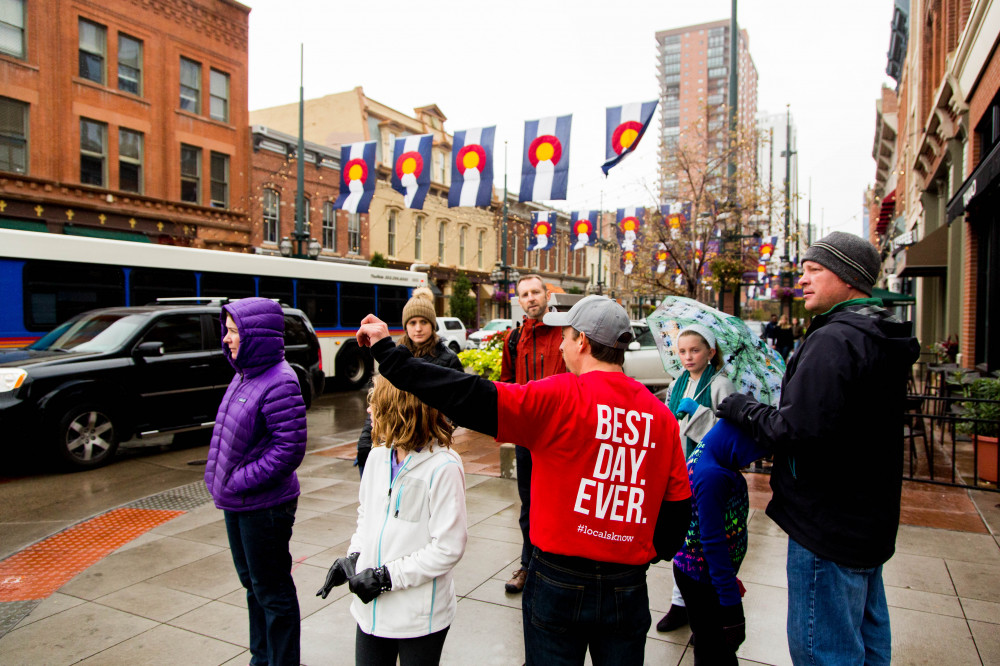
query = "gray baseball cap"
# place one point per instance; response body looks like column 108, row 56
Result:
column 599, row 317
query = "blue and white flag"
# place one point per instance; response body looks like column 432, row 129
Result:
column 626, row 125
column 584, row 226
column 545, row 167
column 357, row 177
column 629, row 227
column 543, row 226
column 472, row 168
column 411, row 171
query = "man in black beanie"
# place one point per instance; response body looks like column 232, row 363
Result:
column 842, row 397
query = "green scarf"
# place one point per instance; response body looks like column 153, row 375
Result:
column 701, row 396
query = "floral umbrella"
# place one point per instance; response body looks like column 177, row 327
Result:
column 750, row 364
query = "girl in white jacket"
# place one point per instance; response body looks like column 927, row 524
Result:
column 411, row 533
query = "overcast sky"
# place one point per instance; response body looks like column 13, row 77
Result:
column 501, row 63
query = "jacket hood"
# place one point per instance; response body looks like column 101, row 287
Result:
column 731, row 447
column 261, row 324
column 893, row 335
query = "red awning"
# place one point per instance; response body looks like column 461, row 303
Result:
column 885, row 212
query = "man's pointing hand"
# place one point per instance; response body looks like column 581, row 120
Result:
column 371, row 331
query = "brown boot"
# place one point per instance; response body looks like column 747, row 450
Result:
column 516, row 582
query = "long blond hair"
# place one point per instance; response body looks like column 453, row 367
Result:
column 399, row 419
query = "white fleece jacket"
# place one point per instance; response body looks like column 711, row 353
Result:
column 415, row 526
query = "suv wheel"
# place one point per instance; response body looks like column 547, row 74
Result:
column 86, row 437
column 454, row 346
column 352, row 368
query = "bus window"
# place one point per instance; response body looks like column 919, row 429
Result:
column 319, row 301
column 54, row 291
column 356, row 301
column 276, row 287
column 390, row 304
column 148, row 284
column 226, row 284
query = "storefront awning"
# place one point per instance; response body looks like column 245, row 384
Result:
column 928, row 258
column 486, row 289
column 434, row 288
column 892, row 297
column 972, row 189
column 885, row 212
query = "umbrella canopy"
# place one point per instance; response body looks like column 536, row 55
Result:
column 750, row 364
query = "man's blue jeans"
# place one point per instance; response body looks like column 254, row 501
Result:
column 259, row 544
column 570, row 603
column 836, row 615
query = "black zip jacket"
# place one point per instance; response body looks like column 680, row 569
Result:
column 837, row 435
column 471, row 401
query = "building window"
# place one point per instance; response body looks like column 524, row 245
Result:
column 12, row 27
column 219, row 96
column 190, row 174
column 461, row 245
column 480, row 243
column 306, row 206
column 418, row 238
column 442, row 227
column 129, row 160
column 272, row 204
column 93, row 150
column 93, row 45
column 13, row 135
column 390, row 148
column 329, row 226
column 354, row 234
column 129, row 64
column 190, row 85
column 220, row 180
column 391, row 241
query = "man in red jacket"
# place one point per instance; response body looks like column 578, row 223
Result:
column 530, row 352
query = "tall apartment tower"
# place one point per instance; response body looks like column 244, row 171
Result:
column 693, row 72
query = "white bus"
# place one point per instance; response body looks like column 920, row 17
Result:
column 47, row 278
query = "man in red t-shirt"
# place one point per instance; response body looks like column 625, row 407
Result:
column 530, row 352
column 610, row 486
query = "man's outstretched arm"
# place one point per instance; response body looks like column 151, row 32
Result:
column 468, row 400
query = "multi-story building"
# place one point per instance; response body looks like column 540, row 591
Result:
column 938, row 225
column 693, row 72
column 126, row 120
column 778, row 136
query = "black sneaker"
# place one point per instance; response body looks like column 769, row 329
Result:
column 675, row 618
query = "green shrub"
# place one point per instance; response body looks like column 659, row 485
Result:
column 983, row 388
column 486, row 360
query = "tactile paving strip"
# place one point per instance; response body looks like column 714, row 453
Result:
column 182, row 498
column 39, row 570
column 13, row 612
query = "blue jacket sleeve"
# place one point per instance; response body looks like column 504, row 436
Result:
column 712, row 487
column 284, row 446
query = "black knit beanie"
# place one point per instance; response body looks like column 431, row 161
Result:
column 851, row 258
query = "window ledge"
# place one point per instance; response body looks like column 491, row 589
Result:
column 114, row 91
column 18, row 62
column 204, row 119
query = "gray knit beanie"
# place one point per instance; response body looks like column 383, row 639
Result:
column 420, row 305
column 851, row 258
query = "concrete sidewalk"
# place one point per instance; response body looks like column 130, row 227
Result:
column 171, row 595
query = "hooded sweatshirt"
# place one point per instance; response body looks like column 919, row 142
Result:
column 259, row 437
column 837, row 434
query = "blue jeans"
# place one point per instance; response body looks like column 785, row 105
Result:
column 837, row 615
column 259, row 543
column 571, row 603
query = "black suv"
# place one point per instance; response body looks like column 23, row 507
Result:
column 108, row 375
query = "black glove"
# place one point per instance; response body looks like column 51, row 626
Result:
column 338, row 574
column 370, row 583
column 735, row 408
column 734, row 628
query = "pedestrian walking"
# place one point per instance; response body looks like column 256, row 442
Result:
column 842, row 528
column 609, row 488
column 258, row 441
column 771, row 331
column 784, row 337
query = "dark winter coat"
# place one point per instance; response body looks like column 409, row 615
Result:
column 260, row 431
column 837, row 435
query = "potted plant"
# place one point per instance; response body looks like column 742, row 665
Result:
column 983, row 405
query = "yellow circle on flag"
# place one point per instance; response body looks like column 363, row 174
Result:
column 628, row 137
column 355, row 172
column 409, row 165
column 470, row 160
column 545, row 151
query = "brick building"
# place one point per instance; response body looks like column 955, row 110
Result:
column 126, row 119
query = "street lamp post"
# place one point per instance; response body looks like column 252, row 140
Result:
column 300, row 239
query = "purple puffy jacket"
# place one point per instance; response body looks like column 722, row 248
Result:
column 260, row 431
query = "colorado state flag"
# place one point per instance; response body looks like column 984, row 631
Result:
column 660, row 256
column 676, row 217
column 545, row 168
column 357, row 177
column 472, row 168
column 626, row 125
column 583, row 226
column 543, row 226
column 411, row 171
column 629, row 227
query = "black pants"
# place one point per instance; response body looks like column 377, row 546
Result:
column 522, row 459
column 704, row 616
column 375, row 650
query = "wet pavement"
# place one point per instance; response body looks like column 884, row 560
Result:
column 136, row 569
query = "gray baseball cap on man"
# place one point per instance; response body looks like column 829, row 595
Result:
column 599, row 317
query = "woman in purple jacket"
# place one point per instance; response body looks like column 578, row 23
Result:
column 258, row 441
